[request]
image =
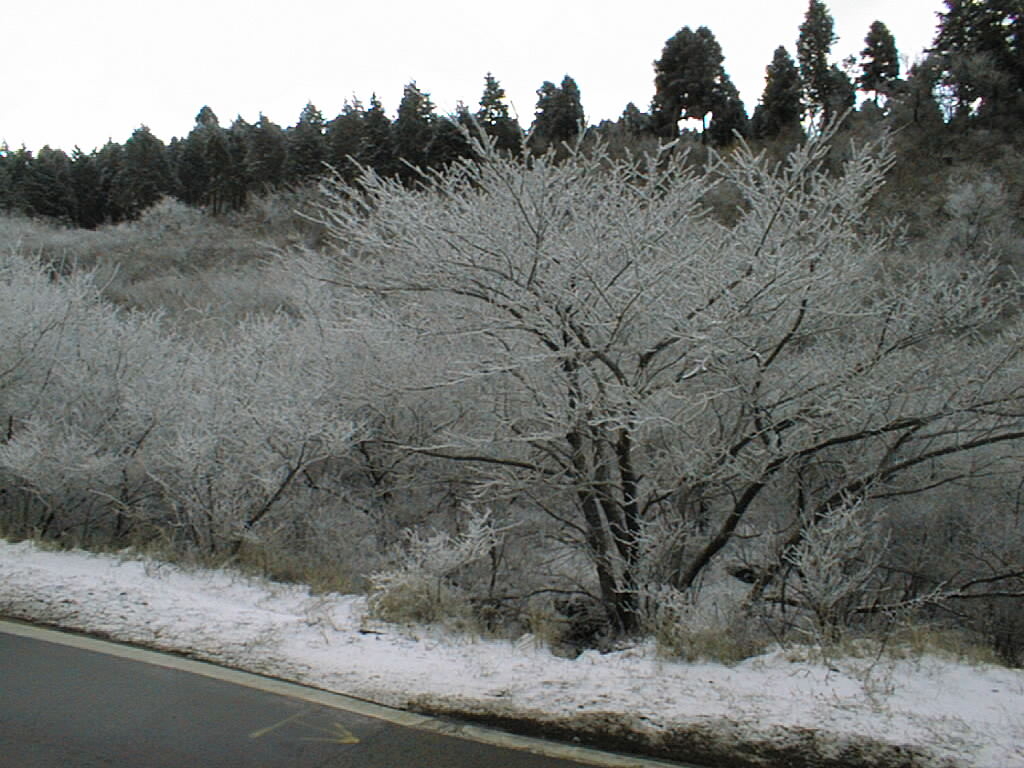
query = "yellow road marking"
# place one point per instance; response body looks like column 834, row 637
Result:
column 336, row 733
column 275, row 726
column 339, row 734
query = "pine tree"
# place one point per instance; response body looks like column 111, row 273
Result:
column 448, row 140
column 217, row 157
column 981, row 46
column 635, row 122
column 880, row 63
column 307, row 147
column 18, row 171
column 559, row 116
column 813, row 47
column 781, row 108
column 109, row 161
column 493, row 116
column 47, row 190
column 144, row 176
column 345, row 137
column 236, row 185
column 688, row 79
column 728, row 115
column 912, row 101
column 86, row 182
column 377, row 150
column 190, row 167
column 265, row 151
column 413, row 130
column 840, row 95
column 207, row 118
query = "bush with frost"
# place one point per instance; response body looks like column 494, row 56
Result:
column 597, row 349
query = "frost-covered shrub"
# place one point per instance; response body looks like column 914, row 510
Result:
column 980, row 219
column 113, row 423
column 424, row 584
column 595, row 346
column 72, row 376
column 705, row 629
column 836, row 563
column 249, row 414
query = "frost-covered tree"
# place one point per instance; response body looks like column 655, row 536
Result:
column 116, row 426
column 587, row 344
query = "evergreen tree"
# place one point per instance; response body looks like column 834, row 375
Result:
column 781, row 106
column 635, row 122
column 685, row 78
column 193, row 178
column 840, row 95
column 307, row 147
column 207, row 118
column 559, row 115
column 345, row 137
column 448, row 140
column 265, row 152
column 48, row 189
column 377, row 151
column 109, row 161
column 5, row 177
column 217, row 157
column 493, row 116
column 18, row 170
column 981, row 46
column 413, row 130
column 813, row 47
column 172, row 152
column 912, row 100
column 193, row 169
column 880, row 64
column 144, row 176
column 235, row 187
column 728, row 115
column 690, row 82
column 86, row 182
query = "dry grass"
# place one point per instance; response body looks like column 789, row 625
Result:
column 174, row 259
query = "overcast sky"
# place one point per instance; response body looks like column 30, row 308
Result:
column 77, row 72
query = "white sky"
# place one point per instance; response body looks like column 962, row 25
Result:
column 77, row 72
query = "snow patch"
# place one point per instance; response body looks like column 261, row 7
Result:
column 927, row 711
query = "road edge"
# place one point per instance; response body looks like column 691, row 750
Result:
column 438, row 722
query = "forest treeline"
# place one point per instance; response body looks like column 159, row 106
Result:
column 972, row 75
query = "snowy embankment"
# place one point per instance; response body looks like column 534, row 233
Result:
column 880, row 712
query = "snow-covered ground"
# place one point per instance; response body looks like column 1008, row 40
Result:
column 922, row 711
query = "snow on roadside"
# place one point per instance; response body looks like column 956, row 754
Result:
column 932, row 711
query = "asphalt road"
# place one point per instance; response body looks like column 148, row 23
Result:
column 77, row 702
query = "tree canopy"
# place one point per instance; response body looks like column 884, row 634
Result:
column 813, row 48
column 689, row 80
